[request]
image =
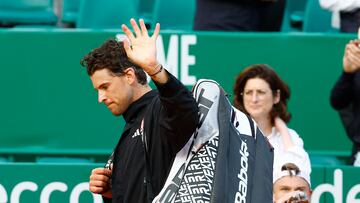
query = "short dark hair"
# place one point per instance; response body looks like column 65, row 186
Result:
column 290, row 167
column 266, row 73
column 112, row 56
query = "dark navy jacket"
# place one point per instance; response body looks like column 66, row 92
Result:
column 170, row 117
column 345, row 97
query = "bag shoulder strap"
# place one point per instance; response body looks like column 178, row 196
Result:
column 251, row 122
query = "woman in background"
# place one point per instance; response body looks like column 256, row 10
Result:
column 261, row 93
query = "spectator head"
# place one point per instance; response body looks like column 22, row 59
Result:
column 259, row 91
column 117, row 80
column 290, row 182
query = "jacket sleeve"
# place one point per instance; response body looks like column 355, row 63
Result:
column 342, row 97
column 341, row 94
column 179, row 115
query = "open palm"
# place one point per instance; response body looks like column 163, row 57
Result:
column 141, row 48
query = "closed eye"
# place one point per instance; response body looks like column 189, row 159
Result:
column 249, row 92
column 103, row 86
column 300, row 188
column 285, row 189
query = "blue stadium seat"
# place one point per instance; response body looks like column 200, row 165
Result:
column 146, row 9
column 294, row 15
column 13, row 12
column 316, row 19
column 174, row 14
column 70, row 11
column 3, row 160
column 106, row 14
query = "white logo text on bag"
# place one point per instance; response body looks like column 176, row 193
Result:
column 240, row 196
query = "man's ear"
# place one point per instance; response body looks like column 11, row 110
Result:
column 130, row 75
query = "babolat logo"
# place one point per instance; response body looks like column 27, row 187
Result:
column 170, row 193
column 204, row 106
column 240, row 196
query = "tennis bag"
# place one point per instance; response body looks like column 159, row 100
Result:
column 227, row 158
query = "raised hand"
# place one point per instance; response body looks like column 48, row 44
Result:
column 293, row 197
column 282, row 128
column 280, row 125
column 351, row 59
column 141, row 48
